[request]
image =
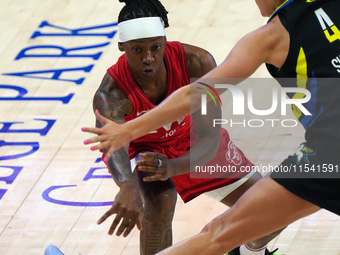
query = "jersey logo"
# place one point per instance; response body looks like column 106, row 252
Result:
column 233, row 156
column 326, row 23
column 167, row 127
column 170, row 132
column 139, row 113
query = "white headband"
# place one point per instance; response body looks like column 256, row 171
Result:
column 140, row 28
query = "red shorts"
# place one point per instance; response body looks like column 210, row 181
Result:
column 194, row 184
column 228, row 156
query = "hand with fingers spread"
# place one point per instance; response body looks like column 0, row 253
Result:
column 111, row 136
column 128, row 208
column 157, row 164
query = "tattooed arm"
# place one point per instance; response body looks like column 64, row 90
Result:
column 112, row 103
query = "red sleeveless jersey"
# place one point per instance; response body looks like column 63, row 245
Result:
column 176, row 134
column 174, row 139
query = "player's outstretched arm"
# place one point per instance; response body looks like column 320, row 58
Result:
column 127, row 206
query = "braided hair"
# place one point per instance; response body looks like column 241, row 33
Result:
column 143, row 8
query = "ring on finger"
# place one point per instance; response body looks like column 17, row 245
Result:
column 159, row 162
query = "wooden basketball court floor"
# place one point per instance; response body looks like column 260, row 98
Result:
column 53, row 189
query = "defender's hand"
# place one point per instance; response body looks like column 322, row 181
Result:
column 111, row 136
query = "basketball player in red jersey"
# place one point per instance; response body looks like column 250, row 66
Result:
column 149, row 71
